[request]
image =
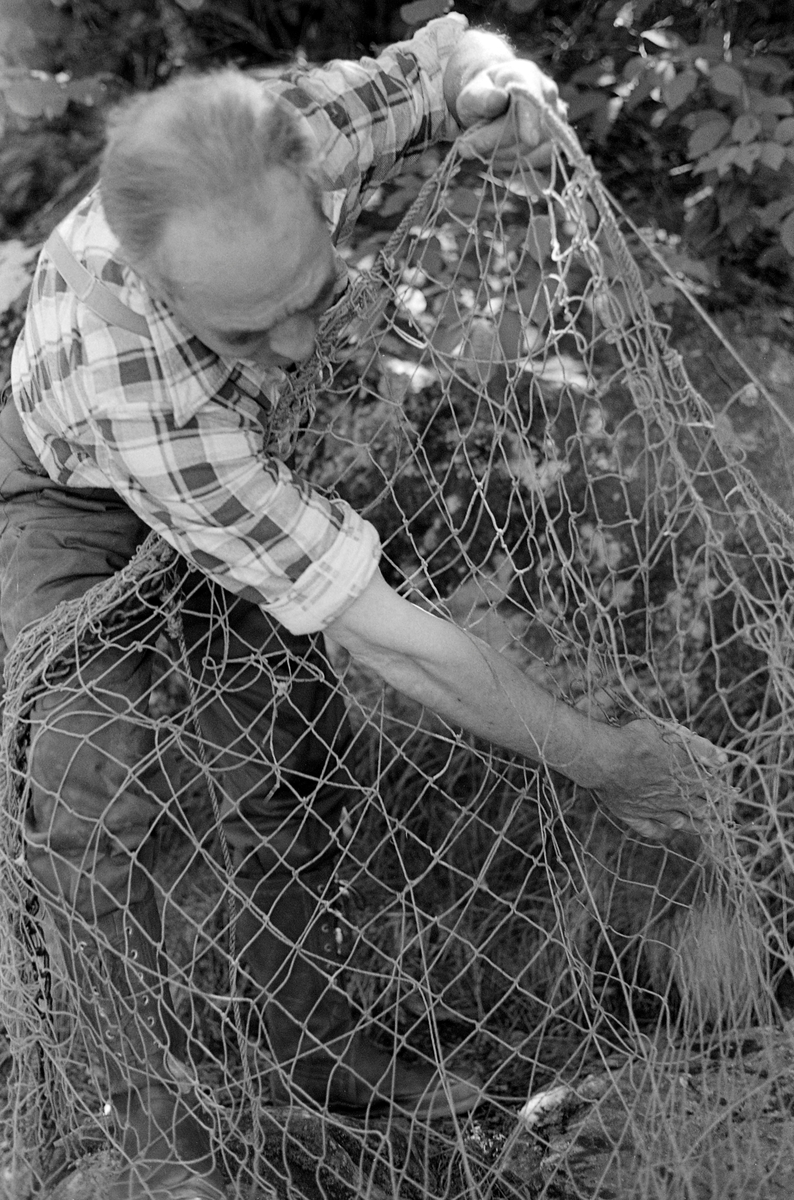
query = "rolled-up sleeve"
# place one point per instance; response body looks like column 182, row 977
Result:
column 240, row 515
column 235, row 512
column 158, row 420
column 368, row 116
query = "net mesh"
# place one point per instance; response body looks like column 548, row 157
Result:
column 497, row 396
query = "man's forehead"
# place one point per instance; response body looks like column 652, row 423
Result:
column 276, row 220
column 235, row 264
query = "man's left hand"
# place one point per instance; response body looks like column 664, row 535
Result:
column 484, row 109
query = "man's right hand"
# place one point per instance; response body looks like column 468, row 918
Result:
column 662, row 780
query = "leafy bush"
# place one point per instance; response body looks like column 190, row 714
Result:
column 735, row 106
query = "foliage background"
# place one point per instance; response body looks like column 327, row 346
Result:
column 686, row 106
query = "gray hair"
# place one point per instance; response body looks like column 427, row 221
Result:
column 200, row 141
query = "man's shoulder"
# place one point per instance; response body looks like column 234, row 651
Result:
column 91, row 240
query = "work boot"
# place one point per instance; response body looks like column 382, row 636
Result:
column 291, row 938
column 133, row 1038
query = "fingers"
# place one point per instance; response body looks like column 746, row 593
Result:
column 528, row 117
column 661, row 831
column 661, row 825
column 704, row 750
column 541, row 156
column 481, row 100
column 696, row 748
column 497, row 140
column 663, row 822
column 523, row 76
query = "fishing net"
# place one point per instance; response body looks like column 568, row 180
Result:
column 497, row 395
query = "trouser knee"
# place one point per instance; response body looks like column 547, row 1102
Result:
column 304, row 844
column 91, row 800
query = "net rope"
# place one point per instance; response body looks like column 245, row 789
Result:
column 496, row 394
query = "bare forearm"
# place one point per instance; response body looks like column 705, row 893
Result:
column 480, row 690
column 472, row 686
column 649, row 775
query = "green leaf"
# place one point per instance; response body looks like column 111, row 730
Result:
column 747, row 156
column 593, row 75
column 424, row 10
column 510, row 328
column 718, row 160
column 531, row 279
column 715, row 36
column 532, row 299
column 694, row 120
column 712, row 52
column 635, row 67
column 745, row 128
column 448, row 332
column 662, row 38
column 605, row 118
column 778, row 106
column 396, row 203
column 482, row 352
column 731, row 204
column 678, row 90
column 642, row 89
column 538, row 239
column 661, row 295
column 464, row 203
column 769, row 123
column 88, row 91
column 765, row 64
column 773, row 155
column 726, row 79
column 582, row 103
column 739, row 230
column 34, row 97
column 707, row 137
column 784, row 133
column 787, row 234
column 773, row 213
column 17, row 40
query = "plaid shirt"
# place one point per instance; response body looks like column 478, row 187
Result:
column 184, row 436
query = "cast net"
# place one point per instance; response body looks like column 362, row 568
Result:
column 497, row 395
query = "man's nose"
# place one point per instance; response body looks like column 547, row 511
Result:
column 294, row 338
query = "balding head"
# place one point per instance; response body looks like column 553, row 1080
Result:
column 210, row 142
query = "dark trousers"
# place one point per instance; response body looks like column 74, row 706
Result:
column 274, row 733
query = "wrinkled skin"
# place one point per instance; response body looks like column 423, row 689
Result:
column 669, row 785
column 484, row 110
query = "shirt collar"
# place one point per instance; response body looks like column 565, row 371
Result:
column 194, row 374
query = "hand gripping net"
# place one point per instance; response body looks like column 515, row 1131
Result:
column 497, row 396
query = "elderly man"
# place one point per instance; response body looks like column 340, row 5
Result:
column 144, row 397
